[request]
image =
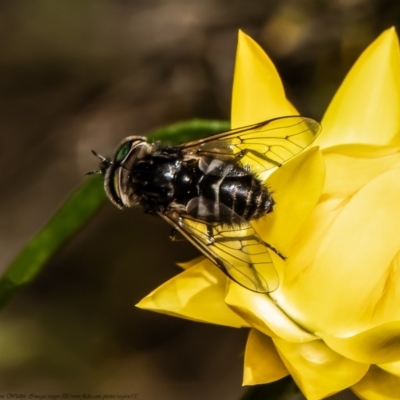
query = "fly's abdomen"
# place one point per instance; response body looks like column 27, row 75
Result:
column 243, row 194
column 246, row 196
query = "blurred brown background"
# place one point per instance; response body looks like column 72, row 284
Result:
column 83, row 74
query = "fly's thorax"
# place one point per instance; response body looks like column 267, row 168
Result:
column 162, row 178
column 117, row 175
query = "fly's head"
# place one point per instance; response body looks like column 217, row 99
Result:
column 117, row 170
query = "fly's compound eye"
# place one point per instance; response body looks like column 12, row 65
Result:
column 123, row 151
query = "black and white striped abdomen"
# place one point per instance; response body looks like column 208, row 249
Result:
column 234, row 187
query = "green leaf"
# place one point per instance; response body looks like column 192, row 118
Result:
column 190, row 130
column 77, row 209
column 80, row 207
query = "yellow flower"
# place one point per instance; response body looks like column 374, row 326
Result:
column 334, row 321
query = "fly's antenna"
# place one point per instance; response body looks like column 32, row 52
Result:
column 105, row 163
column 102, row 158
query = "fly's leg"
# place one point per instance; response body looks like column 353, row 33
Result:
column 174, row 235
column 276, row 251
column 210, row 235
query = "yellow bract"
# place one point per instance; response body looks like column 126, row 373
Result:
column 378, row 385
column 295, row 198
column 318, row 370
column 256, row 78
column 353, row 266
column 262, row 363
column 334, row 321
column 196, row 294
column 365, row 109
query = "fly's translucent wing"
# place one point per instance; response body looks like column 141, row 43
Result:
column 236, row 249
column 234, row 246
column 261, row 146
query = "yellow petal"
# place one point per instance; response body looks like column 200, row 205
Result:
column 356, row 264
column 350, row 167
column 317, row 370
column 262, row 363
column 191, row 263
column 378, row 345
column 262, row 314
column 296, row 188
column 378, row 385
column 365, row 108
column 393, row 367
column 258, row 93
column 196, row 294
